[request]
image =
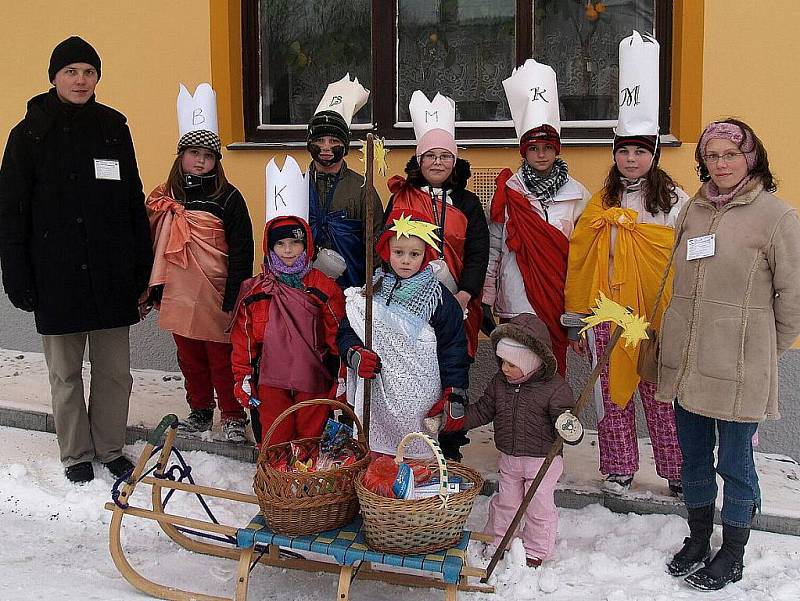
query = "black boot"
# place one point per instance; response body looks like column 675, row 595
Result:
column 696, row 548
column 727, row 564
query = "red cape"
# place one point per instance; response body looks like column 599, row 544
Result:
column 541, row 251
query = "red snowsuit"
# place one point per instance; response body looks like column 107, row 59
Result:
column 249, row 330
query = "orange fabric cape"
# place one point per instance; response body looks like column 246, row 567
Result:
column 541, row 253
column 641, row 252
column 405, row 195
column 191, row 259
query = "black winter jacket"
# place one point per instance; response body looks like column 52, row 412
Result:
column 81, row 242
column 447, row 322
column 231, row 208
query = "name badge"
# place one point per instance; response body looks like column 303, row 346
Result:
column 106, row 169
column 700, row 247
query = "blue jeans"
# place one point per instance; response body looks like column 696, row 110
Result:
column 697, row 436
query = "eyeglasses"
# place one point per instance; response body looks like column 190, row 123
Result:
column 728, row 157
column 444, row 159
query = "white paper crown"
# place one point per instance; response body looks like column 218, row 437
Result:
column 440, row 113
column 287, row 190
column 638, row 86
column 198, row 112
column 344, row 97
column 532, row 93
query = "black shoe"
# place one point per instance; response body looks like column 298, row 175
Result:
column 617, row 483
column 675, row 488
column 696, row 548
column 199, row 420
column 690, row 557
column 120, row 466
column 721, row 570
column 80, row 472
column 728, row 563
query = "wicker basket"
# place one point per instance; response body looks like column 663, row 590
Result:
column 417, row 526
column 296, row 504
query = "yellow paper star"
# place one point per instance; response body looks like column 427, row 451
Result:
column 634, row 327
column 379, row 152
column 405, row 226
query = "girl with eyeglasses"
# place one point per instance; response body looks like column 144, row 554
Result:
column 435, row 186
column 735, row 309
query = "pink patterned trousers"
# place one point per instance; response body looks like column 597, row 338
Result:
column 616, row 432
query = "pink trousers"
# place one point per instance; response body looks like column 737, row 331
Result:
column 540, row 524
column 616, row 432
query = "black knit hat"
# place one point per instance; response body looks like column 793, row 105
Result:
column 73, row 50
column 329, row 123
column 287, row 230
column 646, row 142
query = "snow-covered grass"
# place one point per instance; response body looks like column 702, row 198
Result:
column 55, row 546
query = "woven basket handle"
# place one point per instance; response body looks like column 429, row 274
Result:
column 437, row 453
column 311, row 403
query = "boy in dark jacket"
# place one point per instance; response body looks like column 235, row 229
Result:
column 75, row 250
column 523, row 400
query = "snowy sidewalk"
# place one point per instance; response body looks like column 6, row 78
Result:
column 25, row 403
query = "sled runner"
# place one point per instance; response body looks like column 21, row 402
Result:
column 254, row 543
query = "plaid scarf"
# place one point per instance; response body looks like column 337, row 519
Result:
column 414, row 298
column 544, row 188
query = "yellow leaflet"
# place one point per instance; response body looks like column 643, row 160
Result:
column 634, row 327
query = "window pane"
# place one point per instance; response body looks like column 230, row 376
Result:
column 304, row 46
column 461, row 48
column 582, row 44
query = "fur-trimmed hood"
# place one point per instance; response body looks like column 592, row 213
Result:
column 528, row 329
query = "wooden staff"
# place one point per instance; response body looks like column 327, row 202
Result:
column 369, row 234
column 554, row 450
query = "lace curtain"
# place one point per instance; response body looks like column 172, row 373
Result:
column 462, row 48
column 307, row 44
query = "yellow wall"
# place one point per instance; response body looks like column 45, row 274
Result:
column 752, row 73
column 730, row 57
column 144, row 58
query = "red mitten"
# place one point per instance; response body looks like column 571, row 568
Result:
column 451, row 404
column 364, row 361
column 243, row 391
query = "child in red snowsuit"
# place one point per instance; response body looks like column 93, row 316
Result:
column 284, row 334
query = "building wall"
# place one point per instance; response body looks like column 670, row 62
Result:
column 730, row 57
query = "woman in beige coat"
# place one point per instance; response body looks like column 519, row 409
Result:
column 735, row 308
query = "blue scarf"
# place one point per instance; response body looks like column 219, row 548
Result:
column 414, row 299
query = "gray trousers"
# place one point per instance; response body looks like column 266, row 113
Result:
column 99, row 432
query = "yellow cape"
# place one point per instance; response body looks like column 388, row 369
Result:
column 641, row 252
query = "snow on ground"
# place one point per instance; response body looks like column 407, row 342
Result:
column 55, row 546
column 24, row 385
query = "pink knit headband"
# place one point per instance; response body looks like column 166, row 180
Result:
column 734, row 133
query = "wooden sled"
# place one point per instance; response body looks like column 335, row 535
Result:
column 254, row 544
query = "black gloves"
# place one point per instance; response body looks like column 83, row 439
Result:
column 156, row 292
column 487, row 323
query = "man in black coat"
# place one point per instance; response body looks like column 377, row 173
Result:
column 75, row 249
